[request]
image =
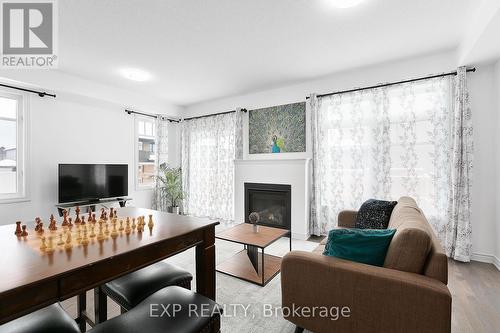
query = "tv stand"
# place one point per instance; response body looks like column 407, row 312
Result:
column 90, row 204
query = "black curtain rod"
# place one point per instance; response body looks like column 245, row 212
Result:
column 213, row 114
column 39, row 93
column 151, row 115
column 381, row 85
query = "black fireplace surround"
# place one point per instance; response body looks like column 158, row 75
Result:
column 271, row 201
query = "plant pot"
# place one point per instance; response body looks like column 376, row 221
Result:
column 173, row 209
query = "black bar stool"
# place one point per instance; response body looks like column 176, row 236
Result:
column 131, row 289
column 47, row 320
column 171, row 309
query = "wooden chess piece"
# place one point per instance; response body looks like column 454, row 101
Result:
column 43, row 246
column 89, row 219
column 69, row 243
column 127, row 226
column 150, row 223
column 24, row 232
column 70, row 222
column 92, row 233
column 78, row 235
column 18, row 229
column 65, row 218
column 50, row 246
column 40, row 228
column 111, row 213
column 77, row 219
column 100, row 235
column 121, row 225
column 93, row 218
column 114, row 232
column 82, row 220
column 52, row 224
column 105, row 216
column 133, row 223
column 61, row 241
column 37, row 224
column 85, row 239
column 102, row 214
column 106, row 230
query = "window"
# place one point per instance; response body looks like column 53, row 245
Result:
column 12, row 146
column 384, row 143
column 146, row 152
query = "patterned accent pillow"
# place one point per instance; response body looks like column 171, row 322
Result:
column 374, row 214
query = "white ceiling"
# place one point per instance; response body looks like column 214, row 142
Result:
column 198, row 50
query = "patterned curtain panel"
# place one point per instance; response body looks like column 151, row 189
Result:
column 388, row 142
column 209, row 147
column 159, row 196
column 458, row 241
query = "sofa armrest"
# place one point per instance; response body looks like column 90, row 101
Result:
column 347, row 218
column 379, row 299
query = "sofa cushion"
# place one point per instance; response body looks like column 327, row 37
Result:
column 374, row 214
column 412, row 242
column 367, row 246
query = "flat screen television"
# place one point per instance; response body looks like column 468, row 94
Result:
column 92, row 182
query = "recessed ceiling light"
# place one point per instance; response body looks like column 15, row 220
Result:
column 345, row 3
column 136, row 74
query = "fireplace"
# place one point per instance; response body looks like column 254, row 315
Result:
column 271, row 201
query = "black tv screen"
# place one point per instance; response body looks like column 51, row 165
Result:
column 84, row 182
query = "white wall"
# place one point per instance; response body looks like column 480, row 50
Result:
column 497, row 145
column 482, row 98
column 79, row 126
column 484, row 195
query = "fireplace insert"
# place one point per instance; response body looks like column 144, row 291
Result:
column 272, row 202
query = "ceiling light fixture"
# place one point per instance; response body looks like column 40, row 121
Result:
column 345, row 3
column 136, row 74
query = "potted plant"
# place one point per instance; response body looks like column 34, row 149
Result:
column 171, row 185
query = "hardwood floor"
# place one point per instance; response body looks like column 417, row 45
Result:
column 475, row 288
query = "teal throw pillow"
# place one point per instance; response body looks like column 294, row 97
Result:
column 367, row 246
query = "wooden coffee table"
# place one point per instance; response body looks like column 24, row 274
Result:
column 247, row 264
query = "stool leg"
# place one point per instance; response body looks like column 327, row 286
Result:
column 81, row 306
column 100, row 306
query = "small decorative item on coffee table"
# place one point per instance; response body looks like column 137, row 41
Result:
column 247, row 264
column 254, row 218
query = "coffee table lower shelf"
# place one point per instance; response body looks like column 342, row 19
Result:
column 241, row 267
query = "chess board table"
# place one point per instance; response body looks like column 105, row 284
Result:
column 31, row 279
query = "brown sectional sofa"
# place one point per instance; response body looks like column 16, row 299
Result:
column 408, row 294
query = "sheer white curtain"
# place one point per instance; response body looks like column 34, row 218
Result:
column 161, row 157
column 389, row 142
column 209, row 147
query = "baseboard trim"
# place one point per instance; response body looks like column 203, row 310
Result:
column 486, row 258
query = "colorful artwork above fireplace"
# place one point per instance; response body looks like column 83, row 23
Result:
column 277, row 129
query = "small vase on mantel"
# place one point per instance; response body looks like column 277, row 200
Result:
column 254, row 218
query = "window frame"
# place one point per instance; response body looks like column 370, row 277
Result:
column 137, row 119
column 22, row 148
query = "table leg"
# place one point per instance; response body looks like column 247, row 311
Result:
column 81, row 306
column 253, row 255
column 262, row 266
column 205, row 264
column 100, row 306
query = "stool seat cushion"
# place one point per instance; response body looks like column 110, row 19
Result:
column 131, row 289
column 171, row 309
column 47, row 320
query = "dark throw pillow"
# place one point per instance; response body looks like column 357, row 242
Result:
column 366, row 246
column 374, row 214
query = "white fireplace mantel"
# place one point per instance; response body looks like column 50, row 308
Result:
column 294, row 172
